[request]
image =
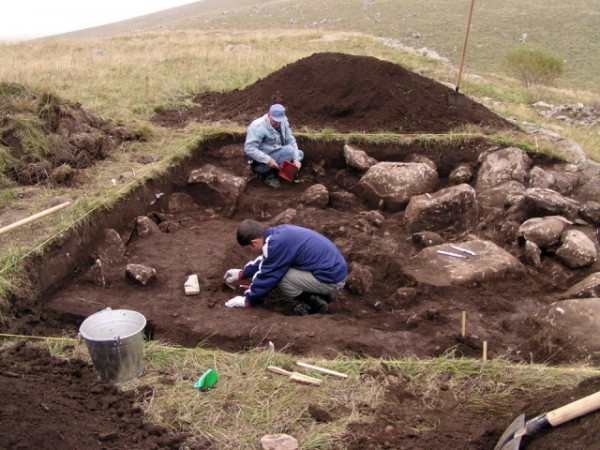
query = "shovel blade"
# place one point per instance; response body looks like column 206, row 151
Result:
column 456, row 99
column 508, row 441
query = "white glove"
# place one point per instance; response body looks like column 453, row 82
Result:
column 236, row 302
column 232, row 276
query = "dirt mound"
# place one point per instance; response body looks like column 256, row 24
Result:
column 346, row 93
column 44, row 138
column 67, row 407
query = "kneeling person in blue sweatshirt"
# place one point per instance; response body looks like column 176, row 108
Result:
column 302, row 263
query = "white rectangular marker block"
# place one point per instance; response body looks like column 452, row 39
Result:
column 191, row 286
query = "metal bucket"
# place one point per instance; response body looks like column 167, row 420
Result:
column 115, row 340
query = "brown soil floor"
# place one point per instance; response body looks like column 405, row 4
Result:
column 201, row 240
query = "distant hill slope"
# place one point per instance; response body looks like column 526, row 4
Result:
column 569, row 28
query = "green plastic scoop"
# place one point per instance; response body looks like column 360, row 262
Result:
column 207, row 379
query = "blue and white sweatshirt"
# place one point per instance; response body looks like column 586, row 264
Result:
column 263, row 139
column 291, row 246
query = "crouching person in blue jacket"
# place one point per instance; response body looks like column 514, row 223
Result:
column 302, row 263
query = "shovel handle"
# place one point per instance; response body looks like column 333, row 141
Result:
column 464, row 49
column 573, row 410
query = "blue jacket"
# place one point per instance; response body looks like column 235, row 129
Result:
column 262, row 139
column 290, row 246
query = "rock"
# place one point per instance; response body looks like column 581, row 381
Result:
column 112, row 249
column 539, row 178
column 533, row 255
column 140, row 273
column 588, row 287
column 177, row 202
column 286, row 216
column 454, row 207
column 316, row 195
column 344, row 200
column 500, row 166
column 278, row 442
column 566, row 178
column 546, row 202
column 416, row 158
column 389, row 185
column 590, row 211
column 101, row 274
column 427, row 238
column 405, row 295
column 360, row 279
column 490, row 263
column 169, row 226
column 463, row 173
column 357, row 158
column 146, row 226
column 502, row 195
column 589, row 190
column 373, row 217
column 567, row 328
column 508, row 230
column 543, row 231
column 577, row 250
column 224, row 185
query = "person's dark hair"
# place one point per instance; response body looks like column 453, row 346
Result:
column 248, row 230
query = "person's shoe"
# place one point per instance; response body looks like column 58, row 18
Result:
column 317, row 305
column 313, row 302
column 272, row 181
column 302, row 309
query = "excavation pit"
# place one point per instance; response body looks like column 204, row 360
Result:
column 391, row 307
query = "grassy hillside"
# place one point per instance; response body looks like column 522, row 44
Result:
column 567, row 28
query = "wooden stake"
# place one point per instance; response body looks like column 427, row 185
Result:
column 295, row 376
column 279, row 370
column 305, row 379
column 463, row 324
column 484, row 351
column 33, row 217
column 322, row 370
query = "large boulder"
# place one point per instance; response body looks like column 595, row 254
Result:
column 454, row 207
column 567, row 328
column 357, row 158
column 225, row 186
column 111, row 250
column 389, row 185
column 541, row 178
column 502, row 195
column 177, row 202
column 317, row 195
column 463, row 173
column 545, row 202
column 576, row 250
column 588, row 287
column 502, row 165
column 590, row 211
column 489, row 262
column 543, row 231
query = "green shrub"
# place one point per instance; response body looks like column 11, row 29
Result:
column 534, row 65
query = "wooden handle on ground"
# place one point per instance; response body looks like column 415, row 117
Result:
column 279, row 370
column 26, row 220
column 295, row 376
column 322, row 370
column 573, row 410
